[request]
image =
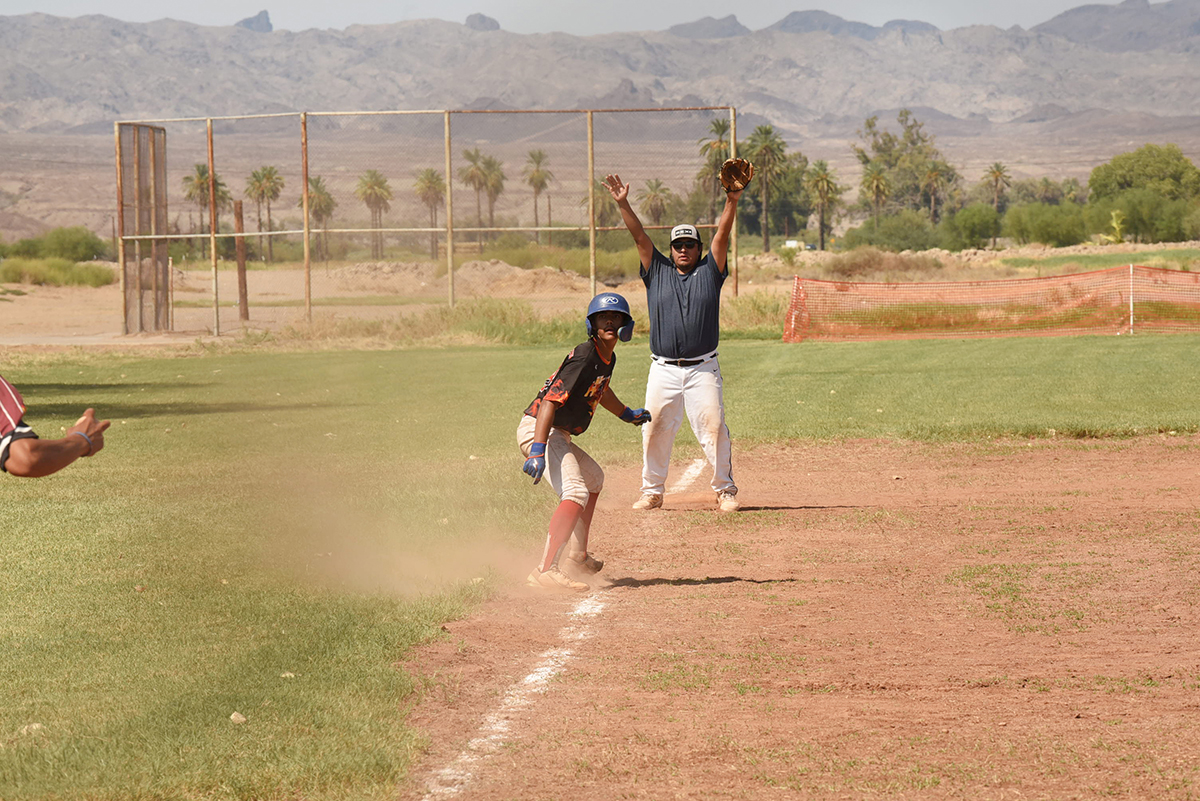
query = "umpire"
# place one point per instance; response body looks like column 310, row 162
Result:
column 684, row 298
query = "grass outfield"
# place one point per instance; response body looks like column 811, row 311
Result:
column 269, row 534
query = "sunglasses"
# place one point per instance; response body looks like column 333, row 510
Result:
column 685, row 244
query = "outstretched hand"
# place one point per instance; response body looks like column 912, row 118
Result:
column 618, row 190
column 92, row 429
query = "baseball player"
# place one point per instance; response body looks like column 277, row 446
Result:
column 684, row 296
column 561, row 411
column 23, row 454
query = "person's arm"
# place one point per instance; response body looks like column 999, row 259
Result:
column 620, row 193
column 610, row 401
column 34, row 458
column 720, row 242
column 535, row 465
column 545, row 420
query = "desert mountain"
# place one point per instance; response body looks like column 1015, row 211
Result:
column 57, row 74
column 1134, row 25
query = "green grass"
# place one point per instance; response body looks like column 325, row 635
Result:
column 54, row 272
column 1173, row 258
column 320, row 514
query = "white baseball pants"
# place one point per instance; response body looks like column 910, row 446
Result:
column 672, row 391
column 571, row 472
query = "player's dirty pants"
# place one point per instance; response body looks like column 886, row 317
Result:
column 572, row 473
column 671, row 391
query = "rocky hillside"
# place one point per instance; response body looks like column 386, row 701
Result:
column 58, row 74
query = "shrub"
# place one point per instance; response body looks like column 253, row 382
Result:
column 788, row 255
column 1057, row 226
column 74, row 244
column 905, row 230
column 974, row 225
column 866, row 261
column 54, row 272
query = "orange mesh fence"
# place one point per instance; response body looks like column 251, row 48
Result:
column 1119, row 300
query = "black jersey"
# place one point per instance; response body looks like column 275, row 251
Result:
column 577, row 384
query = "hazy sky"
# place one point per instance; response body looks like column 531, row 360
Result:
column 540, row 16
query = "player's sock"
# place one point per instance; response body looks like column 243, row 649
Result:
column 579, row 537
column 562, row 522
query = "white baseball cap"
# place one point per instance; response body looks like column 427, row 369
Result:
column 684, row 231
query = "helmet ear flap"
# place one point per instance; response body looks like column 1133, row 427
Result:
column 591, row 327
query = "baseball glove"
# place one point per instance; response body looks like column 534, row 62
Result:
column 736, row 174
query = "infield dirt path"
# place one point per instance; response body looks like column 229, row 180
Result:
column 903, row 620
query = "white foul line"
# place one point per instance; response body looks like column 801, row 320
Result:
column 691, row 474
column 454, row 778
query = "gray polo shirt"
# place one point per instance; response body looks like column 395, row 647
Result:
column 684, row 309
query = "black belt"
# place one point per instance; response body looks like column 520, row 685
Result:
column 685, row 362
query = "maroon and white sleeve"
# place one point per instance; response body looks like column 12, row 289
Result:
column 12, row 426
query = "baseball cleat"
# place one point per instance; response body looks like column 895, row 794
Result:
column 727, row 502
column 555, row 579
column 584, row 563
column 648, row 501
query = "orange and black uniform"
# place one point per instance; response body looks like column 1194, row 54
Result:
column 577, row 385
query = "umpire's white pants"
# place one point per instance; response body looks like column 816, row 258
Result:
column 670, row 392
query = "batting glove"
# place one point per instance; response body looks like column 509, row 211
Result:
column 535, row 465
column 636, row 416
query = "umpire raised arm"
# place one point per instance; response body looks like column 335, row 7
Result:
column 683, row 293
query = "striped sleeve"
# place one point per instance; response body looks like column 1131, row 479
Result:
column 12, row 426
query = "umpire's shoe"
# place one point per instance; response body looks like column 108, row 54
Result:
column 648, row 501
column 555, row 579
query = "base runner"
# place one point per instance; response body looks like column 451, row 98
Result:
column 561, row 411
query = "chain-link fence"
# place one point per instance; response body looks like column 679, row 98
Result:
column 376, row 214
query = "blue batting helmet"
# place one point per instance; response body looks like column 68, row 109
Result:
column 610, row 301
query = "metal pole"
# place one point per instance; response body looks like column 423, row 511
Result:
column 137, row 225
column 733, row 267
column 1131, row 300
column 212, row 230
column 307, row 228
column 449, row 218
column 591, row 201
column 155, row 245
column 120, row 241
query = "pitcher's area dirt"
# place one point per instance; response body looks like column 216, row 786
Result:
column 982, row 621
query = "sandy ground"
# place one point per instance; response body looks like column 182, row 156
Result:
column 981, row 621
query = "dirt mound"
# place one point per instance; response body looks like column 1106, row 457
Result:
column 498, row 278
column 401, row 278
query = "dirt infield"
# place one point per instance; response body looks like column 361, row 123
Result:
column 904, row 620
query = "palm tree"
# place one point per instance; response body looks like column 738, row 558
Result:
column 373, row 190
column 494, row 187
column 933, row 183
column 195, row 189
column 272, row 185
column 254, row 191
column 474, row 176
column 320, row 208
column 654, row 199
column 767, row 150
column 823, row 184
column 431, row 189
column 1000, row 180
column 998, row 175
column 875, row 183
column 714, row 151
column 538, row 178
